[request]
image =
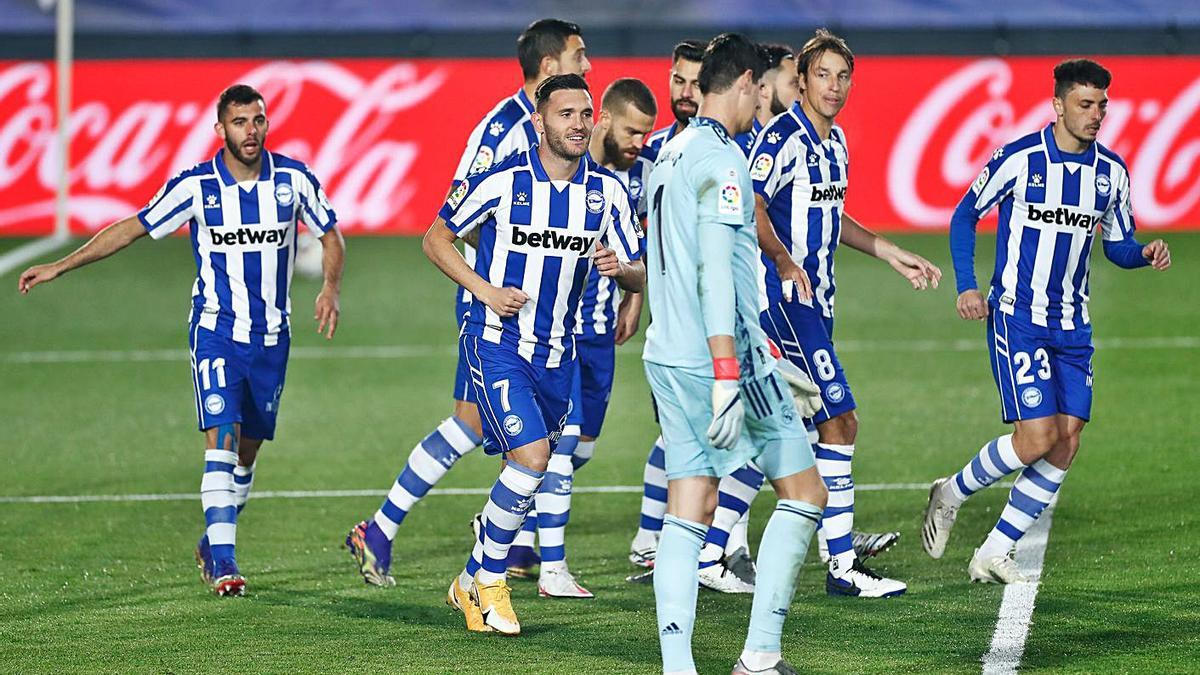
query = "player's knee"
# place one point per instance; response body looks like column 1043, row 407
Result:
column 1064, row 452
column 1033, row 442
column 840, row 430
column 468, row 414
column 817, row 495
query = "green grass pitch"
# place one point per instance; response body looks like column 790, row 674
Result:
column 112, row 587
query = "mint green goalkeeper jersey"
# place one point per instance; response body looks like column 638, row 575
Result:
column 702, row 256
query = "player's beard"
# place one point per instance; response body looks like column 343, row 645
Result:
column 236, row 150
column 777, row 107
column 558, row 145
column 614, row 154
column 684, row 110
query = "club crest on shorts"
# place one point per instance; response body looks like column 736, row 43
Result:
column 595, row 201
column 214, row 404
column 284, row 194
column 1031, row 397
column 513, row 425
column 835, row 392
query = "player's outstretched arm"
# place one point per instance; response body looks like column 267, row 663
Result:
column 794, row 279
column 333, row 261
column 438, row 246
column 106, row 242
column 921, row 273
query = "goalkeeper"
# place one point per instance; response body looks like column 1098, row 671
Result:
column 719, row 399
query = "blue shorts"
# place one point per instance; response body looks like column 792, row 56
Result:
column 773, row 435
column 462, row 375
column 1040, row 371
column 519, row 403
column 804, row 336
column 237, row 382
column 592, row 386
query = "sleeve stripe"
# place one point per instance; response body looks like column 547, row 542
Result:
column 170, row 215
column 171, row 185
column 467, row 222
column 322, row 223
column 629, row 253
column 992, row 201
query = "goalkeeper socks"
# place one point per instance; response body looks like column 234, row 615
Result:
column 426, row 465
column 734, row 494
column 503, row 516
column 553, row 499
column 675, row 588
column 654, row 492
column 243, row 480
column 216, row 496
column 1030, row 495
column 784, row 545
column 833, row 463
column 995, row 460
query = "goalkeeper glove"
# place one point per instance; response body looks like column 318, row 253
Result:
column 728, row 410
column 806, row 393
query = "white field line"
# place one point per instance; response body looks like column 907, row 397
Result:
column 1016, row 610
column 34, row 249
column 425, row 351
column 321, row 494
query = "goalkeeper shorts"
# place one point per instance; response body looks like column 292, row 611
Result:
column 773, row 435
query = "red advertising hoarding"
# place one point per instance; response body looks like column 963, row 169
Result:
column 384, row 136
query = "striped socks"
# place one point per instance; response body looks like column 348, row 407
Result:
column 427, row 463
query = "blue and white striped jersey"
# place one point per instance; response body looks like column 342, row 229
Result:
column 602, row 298
column 1050, row 203
column 538, row 235
column 745, row 140
column 803, row 180
column 656, row 140
column 505, row 130
column 243, row 239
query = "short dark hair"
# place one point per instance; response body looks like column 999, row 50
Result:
column 241, row 94
column 823, row 41
column 629, row 90
column 544, row 37
column 688, row 50
column 725, row 59
column 1079, row 71
column 558, row 83
column 774, row 54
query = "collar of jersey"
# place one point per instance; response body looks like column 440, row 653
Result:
column 710, row 122
column 802, row 118
column 1087, row 157
column 524, row 100
column 227, row 178
column 539, row 172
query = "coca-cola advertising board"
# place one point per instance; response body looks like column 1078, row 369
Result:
column 384, row 136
